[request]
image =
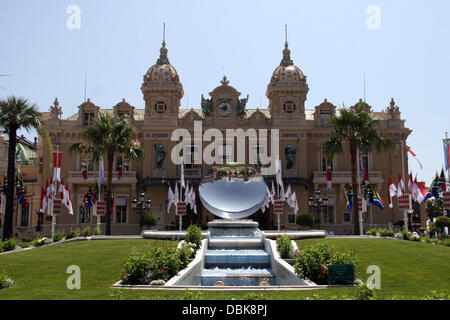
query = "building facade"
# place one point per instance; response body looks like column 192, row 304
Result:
column 301, row 131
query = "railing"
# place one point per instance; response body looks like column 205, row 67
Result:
column 346, row 176
column 77, row 176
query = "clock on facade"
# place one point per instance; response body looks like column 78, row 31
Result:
column 224, row 108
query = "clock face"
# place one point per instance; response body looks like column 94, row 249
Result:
column 224, row 108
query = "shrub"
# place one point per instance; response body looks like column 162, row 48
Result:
column 39, row 242
column 5, row 281
column 149, row 220
column 86, row 232
column 372, row 232
column 312, row 262
column 415, row 238
column 73, row 234
column 185, row 254
column 305, row 219
column 442, row 222
column 97, row 231
column 446, row 242
column 58, row 235
column 9, row 244
column 435, row 241
column 194, row 235
column 427, row 239
column 406, row 235
column 135, row 268
column 285, row 247
column 386, row 232
column 362, row 292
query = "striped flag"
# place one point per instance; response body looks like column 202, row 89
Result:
column 102, row 172
column 446, row 153
column 414, row 155
column 392, row 192
column 57, row 166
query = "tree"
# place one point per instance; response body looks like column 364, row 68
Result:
column 305, row 219
column 435, row 207
column 15, row 113
column 109, row 137
column 358, row 128
column 442, row 222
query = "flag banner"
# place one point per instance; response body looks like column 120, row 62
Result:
column 278, row 207
column 170, row 199
column 57, row 166
column 102, row 172
column 329, row 180
column 348, row 193
column 182, row 175
column 442, row 181
column 401, row 186
column 101, row 207
column 446, row 196
column 57, row 207
column 446, row 153
column 181, row 208
column 414, row 155
column 392, row 192
column 278, row 174
column 67, row 199
column 403, row 202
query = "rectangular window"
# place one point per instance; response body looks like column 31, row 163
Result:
column 364, row 158
column 121, row 214
column 346, row 217
column 291, row 218
column 328, row 215
column 88, row 118
column 24, row 217
column 324, row 118
column 325, row 163
column 122, row 164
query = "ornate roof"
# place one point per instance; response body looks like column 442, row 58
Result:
column 162, row 73
column 287, row 73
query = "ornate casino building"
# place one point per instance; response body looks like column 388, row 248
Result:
column 302, row 131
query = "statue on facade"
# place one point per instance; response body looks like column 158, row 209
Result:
column 55, row 110
column 160, row 155
column 206, row 106
column 241, row 106
column 290, row 153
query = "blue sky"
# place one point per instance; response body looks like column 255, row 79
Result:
column 408, row 58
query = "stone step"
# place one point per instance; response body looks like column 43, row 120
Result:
column 237, row 277
column 236, row 258
column 236, row 243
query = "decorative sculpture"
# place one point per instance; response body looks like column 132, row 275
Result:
column 241, row 106
column 160, row 155
column 206, row 106
column 290, row 153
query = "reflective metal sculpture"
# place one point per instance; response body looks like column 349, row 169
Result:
column 236, row 195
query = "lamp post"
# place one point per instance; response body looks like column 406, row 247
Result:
column 319, row 202
column 141, row 205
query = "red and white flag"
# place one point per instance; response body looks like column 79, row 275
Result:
column 57, row 166
column 50, row 189
column 288, row 193
column 182, row 175
column 416, row 190
column 422, row 192
column 392, row 192
column 44, row 200
column 278, row 174
column 67, row 199
column 414, row 155
column 401, row 186
column 329, row 179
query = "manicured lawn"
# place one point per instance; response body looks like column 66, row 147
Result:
column 408, row 269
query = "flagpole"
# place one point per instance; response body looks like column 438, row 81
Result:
column 359, row 193
column 448, row 160
column 54, row 195
column 99, row 192
column 405, row 211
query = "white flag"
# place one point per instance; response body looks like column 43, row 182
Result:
column 67, row 199
column 278, row 175
column 273, row 191
column 176, row 192
column 182, row 174
column 401, row 187
column 282, row 196
column 288, row 193
column 392, row 191
column 170, row 198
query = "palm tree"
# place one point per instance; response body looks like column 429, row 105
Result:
column 15, row 113
column 358, row 128
column 110, row 137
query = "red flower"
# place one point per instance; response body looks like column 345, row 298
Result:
column 164, row 270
